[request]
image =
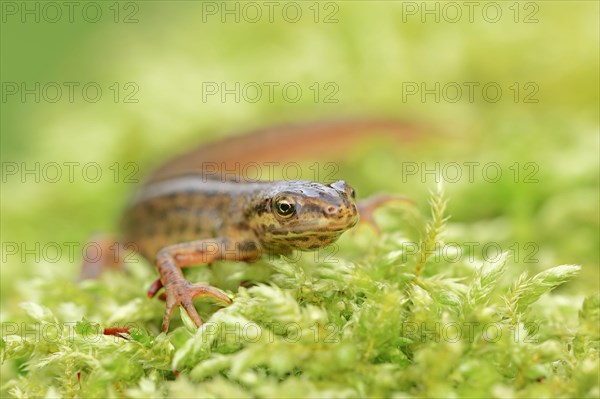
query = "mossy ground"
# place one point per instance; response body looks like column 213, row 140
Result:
column 351, row 321
column 388, row 323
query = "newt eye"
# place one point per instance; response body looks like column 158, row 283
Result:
column 285, row 207
column 352, row 193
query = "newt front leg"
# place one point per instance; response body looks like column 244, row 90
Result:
column 179, row 291
column 368, row 206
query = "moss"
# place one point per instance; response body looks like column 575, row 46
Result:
column 376, row 325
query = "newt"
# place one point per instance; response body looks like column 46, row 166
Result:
column 188, row 214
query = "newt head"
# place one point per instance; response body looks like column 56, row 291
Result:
column 303, row 215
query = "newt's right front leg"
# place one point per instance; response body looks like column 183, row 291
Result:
column 179, row 291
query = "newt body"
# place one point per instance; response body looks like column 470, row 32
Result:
column 258, row 217
column 183, row 216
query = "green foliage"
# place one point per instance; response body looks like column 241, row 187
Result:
column 325, row 327
column 433, row 230
column 528, row 290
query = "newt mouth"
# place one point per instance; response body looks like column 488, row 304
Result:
column 331, row 228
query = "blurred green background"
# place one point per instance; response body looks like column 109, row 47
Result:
column 162, row 52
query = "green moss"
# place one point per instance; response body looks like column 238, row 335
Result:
column 336, row 327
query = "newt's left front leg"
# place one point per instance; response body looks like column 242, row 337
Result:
column 368, row 206
column 179, row 291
